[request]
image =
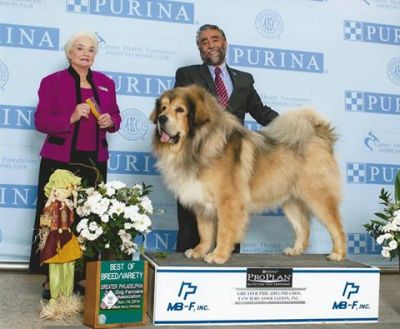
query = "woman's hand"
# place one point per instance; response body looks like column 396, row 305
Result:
column 105, row 121
column 81, row 110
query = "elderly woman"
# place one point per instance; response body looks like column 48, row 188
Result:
column 76, row 138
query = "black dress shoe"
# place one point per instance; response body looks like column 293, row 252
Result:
column 79, row 289
column 46, row 294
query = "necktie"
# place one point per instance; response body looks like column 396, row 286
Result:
column 222, row 94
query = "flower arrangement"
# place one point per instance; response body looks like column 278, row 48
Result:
column 112, row 215
column 386, row 229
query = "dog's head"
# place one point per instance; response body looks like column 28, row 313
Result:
column 179, row 112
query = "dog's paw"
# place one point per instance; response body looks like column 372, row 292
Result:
column 193, row 253
column 216, row 259
column 289, row 251
column 335, row 256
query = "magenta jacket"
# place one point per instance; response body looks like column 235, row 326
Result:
column 57, row 101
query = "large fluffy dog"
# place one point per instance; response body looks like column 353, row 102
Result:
column 225, row 172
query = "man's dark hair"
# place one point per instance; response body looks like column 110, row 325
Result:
column 208, row 27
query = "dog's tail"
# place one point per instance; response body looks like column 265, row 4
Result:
column 295, row 128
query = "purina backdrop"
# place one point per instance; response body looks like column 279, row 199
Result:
column 340, row 56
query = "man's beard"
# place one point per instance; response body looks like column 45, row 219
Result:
column 215, row 59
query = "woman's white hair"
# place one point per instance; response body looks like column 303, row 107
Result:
column 70, row 42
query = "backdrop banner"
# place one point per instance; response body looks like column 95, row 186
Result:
column 339, row 57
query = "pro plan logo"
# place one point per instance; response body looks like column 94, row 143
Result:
column 269, row 277
column 269, row 24
column 186, row 292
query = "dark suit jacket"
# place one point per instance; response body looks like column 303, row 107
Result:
column 244, row 98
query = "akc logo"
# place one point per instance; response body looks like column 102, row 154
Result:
column 3, row 75
column 269, row 24
column 393, row 70
column 134, row 124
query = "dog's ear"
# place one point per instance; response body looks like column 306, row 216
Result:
column 198, row 112
column 154, row 115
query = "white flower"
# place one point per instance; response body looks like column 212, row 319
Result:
column 93, row 199
column 138, row 187
column 84, row 210
column 385, row 252
column 93, row 226
column 107, row 246
column 110, row 191
column 142, row 223
column 105, row 218
column 396, row 220
column 380, row 239
column 117, row 208
column 390, row 227
column 89, row 191
column 116, row 184
column 82, row 225
column 388, row 236
column 146, row 204
column 393, row 245
column 131, row 212
column 99, row 231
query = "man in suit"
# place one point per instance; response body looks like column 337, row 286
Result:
column 238, row 96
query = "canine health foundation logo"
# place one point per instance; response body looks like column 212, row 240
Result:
column 276, row 59
column 393, row 70
column 134, row 124
column 371, row 32
column 371, row 102
column 382, row 142
column 156, row 10
column 269, row 24
column 27, row 36
column 371, row 173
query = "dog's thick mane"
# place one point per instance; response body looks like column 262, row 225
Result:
column 211, row 130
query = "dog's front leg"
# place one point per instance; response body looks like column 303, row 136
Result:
column 232, row 222
column 206, row 227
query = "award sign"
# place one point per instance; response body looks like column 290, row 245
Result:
column 115, row 294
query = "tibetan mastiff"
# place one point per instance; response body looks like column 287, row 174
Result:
column 225, row 172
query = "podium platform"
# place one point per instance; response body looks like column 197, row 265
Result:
column 261, row 289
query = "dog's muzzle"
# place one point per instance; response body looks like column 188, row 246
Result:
column 164, row 136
